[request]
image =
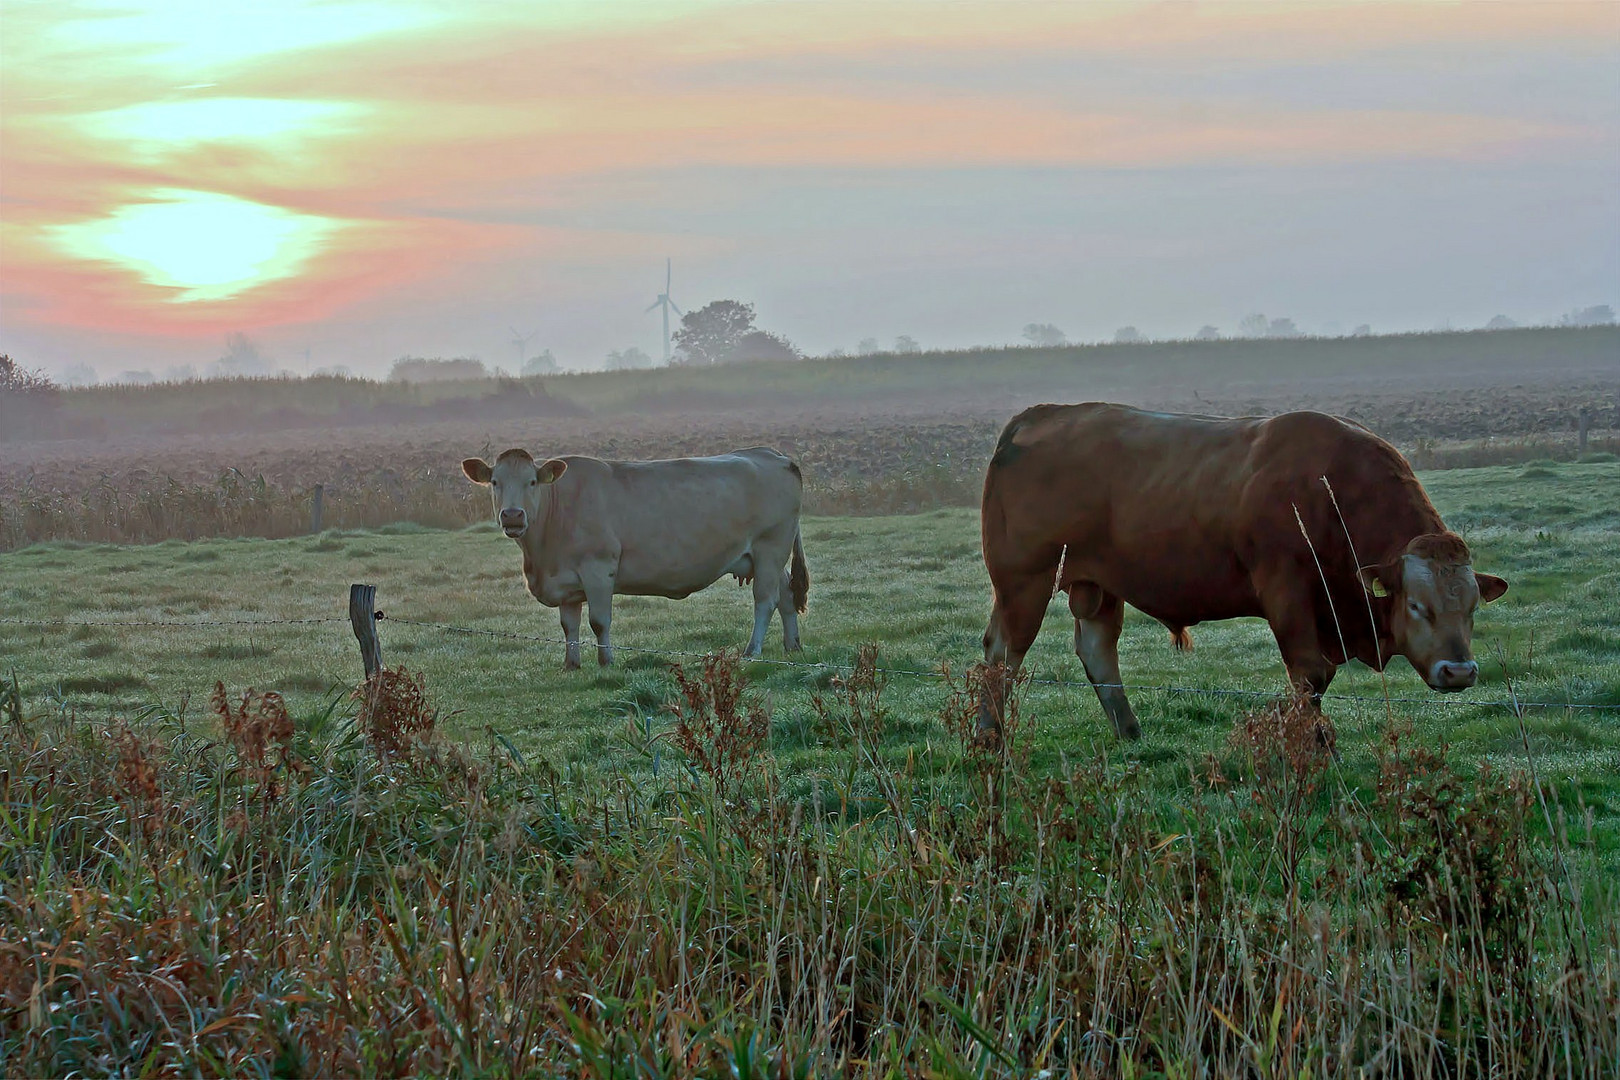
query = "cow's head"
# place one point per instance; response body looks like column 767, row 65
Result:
column 515, row 482
column 1430, row 594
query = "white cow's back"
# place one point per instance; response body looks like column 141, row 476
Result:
column 673, row 527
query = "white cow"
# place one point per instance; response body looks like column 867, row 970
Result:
column 590, row 528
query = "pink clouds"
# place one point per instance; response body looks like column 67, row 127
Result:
column 461, row 108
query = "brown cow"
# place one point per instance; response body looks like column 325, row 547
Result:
column 1193, row 518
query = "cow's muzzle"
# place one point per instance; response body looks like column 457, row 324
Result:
column 1451, row 675
column 514, row 522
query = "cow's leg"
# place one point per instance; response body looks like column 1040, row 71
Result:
column 768, row 592
column 570, row 623
column 599, row 595
column 1015, row 619
column 1099, row 617
column 1292, row 618
column 1293, row 623
column 790, row 617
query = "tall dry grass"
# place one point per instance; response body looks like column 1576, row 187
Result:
column 235, row 899
column 142, row 506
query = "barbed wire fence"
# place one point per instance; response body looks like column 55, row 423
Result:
column 363, row 619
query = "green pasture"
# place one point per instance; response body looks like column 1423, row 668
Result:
column 913, row 585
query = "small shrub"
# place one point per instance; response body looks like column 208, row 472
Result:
column 1456, row 862
column 259, row 729
column 1288, row 747
column 395, row 716
column 852, row 709
column 722, row 732
column 997, row 760
column 137, row 787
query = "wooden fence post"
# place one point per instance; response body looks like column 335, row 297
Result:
column 1581, row 425
column 315, row 508
column 363, row 615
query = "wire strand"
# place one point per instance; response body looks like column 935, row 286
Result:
column 1207, row 691
column 826, row 666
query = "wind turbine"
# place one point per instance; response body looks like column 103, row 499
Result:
column 666, row 303
column 522, row 343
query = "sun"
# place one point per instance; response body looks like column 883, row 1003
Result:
column 202, row 245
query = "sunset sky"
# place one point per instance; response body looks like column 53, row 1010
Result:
column 347, row 183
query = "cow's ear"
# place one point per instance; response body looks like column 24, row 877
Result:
column 1375, row 579
column 1490, row 586
column 477, row 470
column 548, row 472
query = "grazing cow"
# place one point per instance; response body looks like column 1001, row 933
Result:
column 1193, row 518
column 590, row 528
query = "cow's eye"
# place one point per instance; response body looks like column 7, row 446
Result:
column 1415, row 609
column 533, row 482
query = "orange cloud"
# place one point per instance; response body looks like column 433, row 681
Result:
column 320, row 136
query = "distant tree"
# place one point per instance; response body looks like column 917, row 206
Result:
column 180, row 373
column 631, row 359
column 1044, row 334
column 541, row 363
column 1128, row 335
column 134, row 378
column 764, row 345
column 1597, row 315
column 1501, row 322
column 79, row 375
column 242, row 360
column 1208, row 333
column 905, row 343
column 1361, row 330
column 421, row 369
column 838, row 352
column 16, row 379
column 28, row 401
column 1254, row 325
column 333, row 371
column 710, row 335
column 1282, row 328
column 867, row 346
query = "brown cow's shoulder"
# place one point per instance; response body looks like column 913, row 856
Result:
column 1342, row 478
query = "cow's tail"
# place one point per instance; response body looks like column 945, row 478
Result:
column 799, row 575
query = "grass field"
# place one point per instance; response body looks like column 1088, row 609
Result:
column 914, row 585
column 916, row 588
